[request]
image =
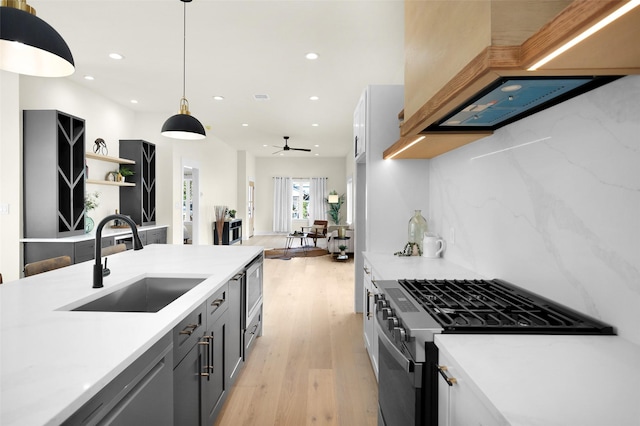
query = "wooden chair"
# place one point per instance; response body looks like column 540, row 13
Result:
column 317, row 230
column 113, row 249
column 46, row 265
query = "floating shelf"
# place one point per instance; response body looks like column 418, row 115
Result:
column 109, row 159
column 108, row 182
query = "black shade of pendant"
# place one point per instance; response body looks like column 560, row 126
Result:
column 30, row 46
column 183, row 125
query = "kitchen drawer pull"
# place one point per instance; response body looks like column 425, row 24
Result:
column 366, row 270
column 189, row 329
column 217, row 302
column 442, row 369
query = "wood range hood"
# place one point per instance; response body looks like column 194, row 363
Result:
column 612, row 51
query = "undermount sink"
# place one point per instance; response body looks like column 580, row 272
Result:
column 149, row 294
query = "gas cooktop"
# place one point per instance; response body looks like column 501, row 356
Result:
column 495, row 306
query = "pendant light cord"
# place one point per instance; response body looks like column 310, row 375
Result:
column 184, row 49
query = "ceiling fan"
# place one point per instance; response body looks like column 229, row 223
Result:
column 287, row 148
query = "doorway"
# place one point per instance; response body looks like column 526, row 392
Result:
column 250, row 209
column 190, row 205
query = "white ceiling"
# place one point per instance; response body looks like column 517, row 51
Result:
column 238, row 49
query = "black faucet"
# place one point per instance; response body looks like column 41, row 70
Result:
column 137, row 244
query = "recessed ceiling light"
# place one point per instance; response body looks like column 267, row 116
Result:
column 316, row 154
column 311, row 56
column 88, row 77
column 245, row 124
column 315, row 125
column 313, row 98
column 317, row 146
column 265, row 145
column 116, row 56
column 218, row 98
column 134, row 101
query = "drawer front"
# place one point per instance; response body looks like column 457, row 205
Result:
column 217, row 304
column 252, row 332
column 83, row 251
column 187, row 333
column 157, row 236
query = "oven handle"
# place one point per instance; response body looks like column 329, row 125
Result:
column 407, row 364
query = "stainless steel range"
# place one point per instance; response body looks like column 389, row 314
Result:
column 410, row 312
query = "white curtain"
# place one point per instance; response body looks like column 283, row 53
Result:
column 282, row 200
column 317, row 194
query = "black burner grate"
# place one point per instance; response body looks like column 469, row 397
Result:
column 494, row 306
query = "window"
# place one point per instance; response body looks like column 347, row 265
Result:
column 349, row 203
column 300, row 205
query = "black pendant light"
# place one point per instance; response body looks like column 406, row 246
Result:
column 30, row 46
column 183, row 125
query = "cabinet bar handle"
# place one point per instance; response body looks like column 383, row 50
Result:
column 217, row 302
column 205, row 368
column 189, row 329
column 442, row 369
column 366, row 270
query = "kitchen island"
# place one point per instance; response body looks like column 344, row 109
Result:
column 53, row 359
column 525, row 380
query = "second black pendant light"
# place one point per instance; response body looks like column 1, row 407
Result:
column 183, row 125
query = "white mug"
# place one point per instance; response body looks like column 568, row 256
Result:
column 432, row 246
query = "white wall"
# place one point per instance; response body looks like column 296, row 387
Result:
column 10, row 176
column 267, row 168
column 112, row 122
column 560, row 217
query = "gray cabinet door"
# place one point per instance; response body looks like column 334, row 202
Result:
column 234, row 347
column 141, row 394
column 139, row 202
column 54, row 174
column 186, row 389
column 214, row 385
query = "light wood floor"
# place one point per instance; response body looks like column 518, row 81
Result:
column 310, row 366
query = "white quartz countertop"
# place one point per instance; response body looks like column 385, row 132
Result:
column 389, row 267
column 551, row 380
column 54, row 360
column 106, row 233
column 534, row 380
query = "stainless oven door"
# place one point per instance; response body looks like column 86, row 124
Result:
column 400, row 397
column 253, row 294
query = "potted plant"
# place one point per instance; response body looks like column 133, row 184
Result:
column 232, row 214
column 90, row 203
column 123, row 172
column 342, row 249
column 335, row 202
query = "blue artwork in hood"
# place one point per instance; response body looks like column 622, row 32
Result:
column 511, row 99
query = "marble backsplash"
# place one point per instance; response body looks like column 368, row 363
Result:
column 551, row 203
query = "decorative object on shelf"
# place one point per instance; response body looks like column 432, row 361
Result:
column 335, row 202
column 220, row 212
column 123, row 172
column 410, row 249
column 100, row 147
column 183, row 125
column 90, row 203
column 417, row 228
column 342, row 249
column 30, row 46
column 111, row 176
column 232, row 214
